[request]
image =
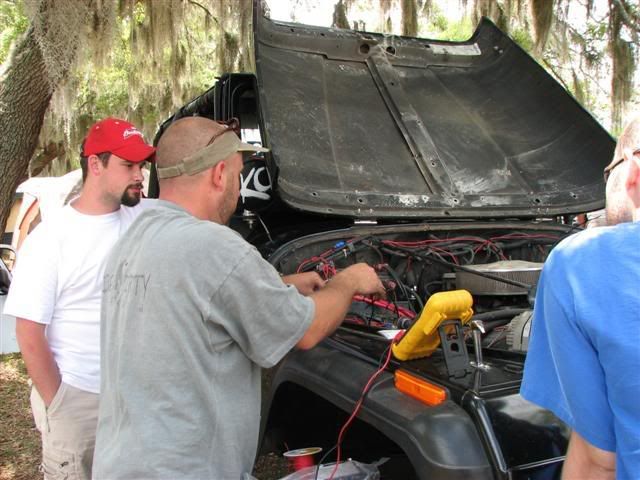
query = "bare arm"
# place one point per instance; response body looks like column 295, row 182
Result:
column 333, row 300
column 586, row 462
column 38, row 358
column 306, row 283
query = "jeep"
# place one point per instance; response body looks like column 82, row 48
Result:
column 449, row 167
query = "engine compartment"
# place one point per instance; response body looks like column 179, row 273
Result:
column 498, row 264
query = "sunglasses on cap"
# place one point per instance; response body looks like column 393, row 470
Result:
column 233, row 124
column 220, row 146
column 611, row 166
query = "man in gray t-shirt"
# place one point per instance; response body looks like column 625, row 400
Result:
column 191, row 312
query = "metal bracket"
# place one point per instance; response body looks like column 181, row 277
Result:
column 454, row 348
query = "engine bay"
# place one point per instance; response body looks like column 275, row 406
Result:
column 498, row 266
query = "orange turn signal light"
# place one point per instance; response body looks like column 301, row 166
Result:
column 419, row 389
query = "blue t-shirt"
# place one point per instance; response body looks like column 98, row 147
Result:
column 583, row 362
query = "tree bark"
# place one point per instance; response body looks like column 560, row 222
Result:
column 24, row 97
column 340, row 16
column 409, row 18
column 28, row 83
column 623, row 66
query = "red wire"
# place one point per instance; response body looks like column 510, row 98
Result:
column 511, row 236
column 384, row 304
column 427, row 242
column 446, row 252
column 481, row 242
column 488, row 243
column 320, row 258
column 356, row 409
column 328, row 269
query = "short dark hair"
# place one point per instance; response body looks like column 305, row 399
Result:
column 104, row 158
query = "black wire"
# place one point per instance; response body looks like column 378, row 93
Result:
column 373, row 309
column 432, row 256
column 381, row 360
column 395, row 304
column 350, row 315
column 417, row 298
column 472, row 253
column 569, row 231
column 435, row 282
column 373, row 247
column 396, row 278
column 323, row 459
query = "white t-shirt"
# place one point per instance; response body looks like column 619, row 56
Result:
column 57, row 281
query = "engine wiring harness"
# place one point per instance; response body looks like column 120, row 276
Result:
column 413, row 270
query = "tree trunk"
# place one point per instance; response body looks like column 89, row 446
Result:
column 623, row 63
column 26, row 87
column 542, row 12
column 24, row 97
column 409, row 18
column 340, row 16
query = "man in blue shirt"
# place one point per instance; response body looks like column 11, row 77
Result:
column 584, row 357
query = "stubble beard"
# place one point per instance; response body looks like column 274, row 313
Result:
column 130, row 198
column 228, row 206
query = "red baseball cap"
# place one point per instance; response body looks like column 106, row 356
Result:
column 118, row 137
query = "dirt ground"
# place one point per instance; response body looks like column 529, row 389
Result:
column 19, row 439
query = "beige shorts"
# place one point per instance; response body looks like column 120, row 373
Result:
column 68, row 429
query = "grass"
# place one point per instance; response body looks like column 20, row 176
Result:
column 20, row 441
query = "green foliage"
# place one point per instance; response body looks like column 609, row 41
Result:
column 596, row 31
column 593, row 42
column 13, row 23
column 104, row 91
column 139, row 13
column 523, row 38
column 439, row 27
column 454, row 31
column 132, row 83
column 145, row 84
column 439, row 22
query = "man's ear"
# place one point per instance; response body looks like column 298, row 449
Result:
column 632, row 182
column 94, row 165
column 218, row 173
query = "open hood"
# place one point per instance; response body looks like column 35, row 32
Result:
column 377, row 126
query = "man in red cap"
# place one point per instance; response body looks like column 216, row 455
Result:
column 56, row 295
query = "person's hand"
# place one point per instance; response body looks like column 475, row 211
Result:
column 306, row 283
column 364, row 279
column 49, row 394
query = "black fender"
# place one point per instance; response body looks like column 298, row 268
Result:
column 439, row 442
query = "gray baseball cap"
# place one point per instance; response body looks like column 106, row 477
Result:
column 218, row 149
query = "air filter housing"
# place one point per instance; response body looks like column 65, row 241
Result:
column 518, row 270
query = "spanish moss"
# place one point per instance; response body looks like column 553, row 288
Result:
column 542, row 15
column 409, row 18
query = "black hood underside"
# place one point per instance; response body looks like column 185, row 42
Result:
column 374, row 126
